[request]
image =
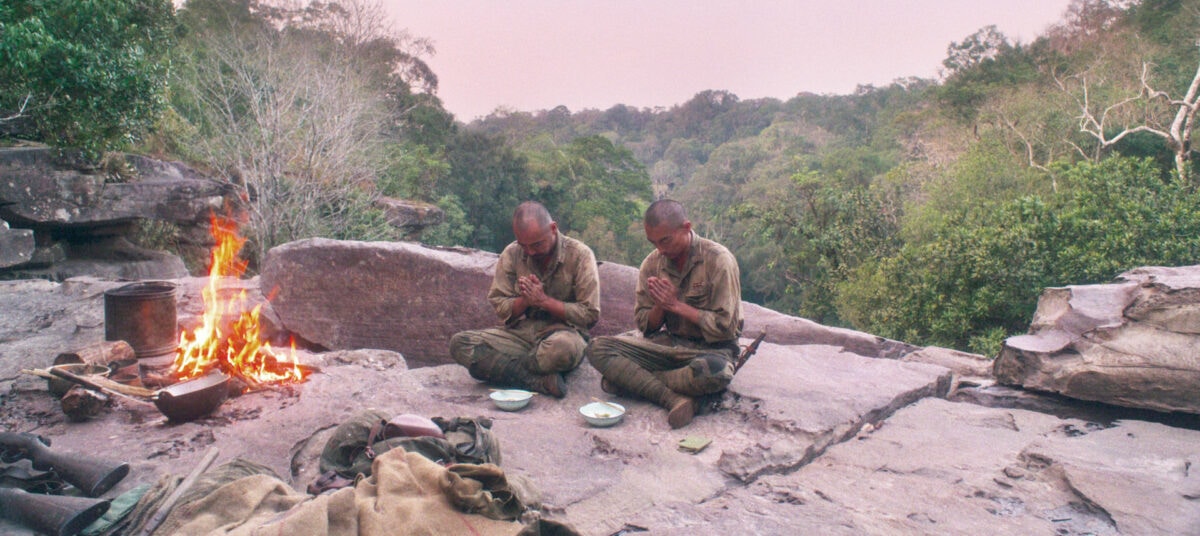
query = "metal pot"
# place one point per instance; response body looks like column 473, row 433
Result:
column 143, row 315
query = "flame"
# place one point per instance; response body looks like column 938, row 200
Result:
column 236, row 348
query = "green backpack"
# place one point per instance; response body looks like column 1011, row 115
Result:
column 355, row 443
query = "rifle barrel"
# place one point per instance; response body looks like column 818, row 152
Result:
column 92, row 476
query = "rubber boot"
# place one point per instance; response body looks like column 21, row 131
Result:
column 626, row 375
column 492, row 366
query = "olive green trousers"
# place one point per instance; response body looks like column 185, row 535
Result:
column 541, row 351
column 687, row 367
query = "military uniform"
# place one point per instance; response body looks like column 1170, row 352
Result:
column 682, row 358
column 536, row 341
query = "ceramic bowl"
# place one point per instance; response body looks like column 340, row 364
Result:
column 59, row 386
column 602, row 413
column 511, row 399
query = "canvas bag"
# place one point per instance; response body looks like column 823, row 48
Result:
column 356, row 442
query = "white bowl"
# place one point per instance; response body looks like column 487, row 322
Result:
column 602, row 413
column 511, row 399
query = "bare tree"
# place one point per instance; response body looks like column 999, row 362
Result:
column 295, row 118
column 1179, row 135
column 1031, row 124
column 1112, row 117
column 19, row 112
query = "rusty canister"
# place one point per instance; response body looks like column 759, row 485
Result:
column 143, row 315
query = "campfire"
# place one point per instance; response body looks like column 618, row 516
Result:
column 235, row 347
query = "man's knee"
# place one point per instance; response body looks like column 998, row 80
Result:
column 560, row 352
column 600, row 351
column 462, row 348
column 711, row 372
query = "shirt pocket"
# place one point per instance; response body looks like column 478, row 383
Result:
column 696, row 294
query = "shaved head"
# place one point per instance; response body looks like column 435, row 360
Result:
column 536, row 233
column 532, row 216
column 665, row 212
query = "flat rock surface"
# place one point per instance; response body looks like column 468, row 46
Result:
column 788, row 404
column 940, row 467
column 808, row 439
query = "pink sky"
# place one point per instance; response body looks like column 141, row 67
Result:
column 537, row 54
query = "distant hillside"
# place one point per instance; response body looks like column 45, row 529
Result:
column 934, row 211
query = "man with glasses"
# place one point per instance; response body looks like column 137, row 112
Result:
column 546, row 291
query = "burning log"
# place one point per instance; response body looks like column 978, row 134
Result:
column 230, row 338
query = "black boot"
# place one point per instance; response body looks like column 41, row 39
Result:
column 492, row 366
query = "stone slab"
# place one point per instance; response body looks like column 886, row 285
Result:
column 40, row 192
column 16, row 245
column 1132, row 343
column 945, row 468
column 411, row 299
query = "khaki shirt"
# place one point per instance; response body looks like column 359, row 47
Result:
column 571, row 277
column 710, row 282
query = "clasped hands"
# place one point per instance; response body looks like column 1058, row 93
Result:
column 531, row 289
column 664, row 293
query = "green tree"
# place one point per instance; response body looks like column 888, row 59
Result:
column 83, row 74
column 983, row 63
column 977, row 280
column 595, row 190
column 825, row 227
column 490, row 179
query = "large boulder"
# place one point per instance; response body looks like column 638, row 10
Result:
column 398, row 296
column 1130, row 343
column 39, row 191
column 81, row 218
column 412, row 298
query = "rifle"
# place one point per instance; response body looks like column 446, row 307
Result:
column 50, row 514
column 748, row 351
column 92, row 476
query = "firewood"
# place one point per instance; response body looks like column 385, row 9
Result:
column 101, row 353
column 81, row 404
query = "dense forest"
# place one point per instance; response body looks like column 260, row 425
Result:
column 929, row 211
